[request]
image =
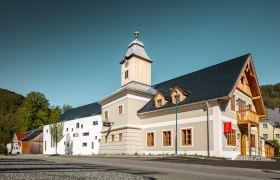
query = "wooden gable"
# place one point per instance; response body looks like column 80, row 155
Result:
column 180, row 92
column 248, row 84
column 160, row 97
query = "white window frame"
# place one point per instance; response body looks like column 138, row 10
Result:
column 181, row 145
column 108, row 115
column 235, row 139
column 172, row 138
column 147, row 139
column 122, row 109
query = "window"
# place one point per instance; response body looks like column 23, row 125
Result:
column 66, row 129
column 241, row 104
column 76, row 135
column 186, row 137
column 253, row 140
column 106, row 115
column 77, row 125
column 126, row 74
column 95, row 137
column 121, row 109
column 72, row 129
column 84, row 144
column 85, row 133
column 45, row 145
column 47, row 131
column 113, row 137
column 99, row 140
column 264, row 126
column 159, row 102
column 95, row 123
column 64, row 142
column 92, row 145
column 166, row 137
column 231, row 138
column 150, row 139
column 82, row 126
column 178, row 98
column 277, row 136
column 265, row 136
column 106, row 138
column 120, row 137
column 232, row 103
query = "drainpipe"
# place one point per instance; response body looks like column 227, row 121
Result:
column 207, row 112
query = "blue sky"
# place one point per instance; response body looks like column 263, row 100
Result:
column 70, row 50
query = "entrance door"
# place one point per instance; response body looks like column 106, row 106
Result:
column 243, row 143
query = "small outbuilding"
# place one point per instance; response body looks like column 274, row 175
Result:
column 33, row 143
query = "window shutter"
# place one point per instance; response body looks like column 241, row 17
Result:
column 233, row 103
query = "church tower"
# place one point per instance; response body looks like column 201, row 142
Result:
column 136, row 65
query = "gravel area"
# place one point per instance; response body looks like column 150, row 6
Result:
column 13, row 168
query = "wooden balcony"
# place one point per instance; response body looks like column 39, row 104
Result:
column 247, row 116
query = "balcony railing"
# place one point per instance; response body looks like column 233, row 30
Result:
column 246, row 116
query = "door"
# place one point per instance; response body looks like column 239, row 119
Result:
column 243, row 143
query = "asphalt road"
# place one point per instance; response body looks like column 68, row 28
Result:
column 149, row 168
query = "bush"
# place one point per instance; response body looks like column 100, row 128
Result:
column 3, row 149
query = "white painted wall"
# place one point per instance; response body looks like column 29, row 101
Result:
column 78, row 148
column 16, row 146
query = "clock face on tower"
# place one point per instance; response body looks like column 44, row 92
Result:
column 126, row 63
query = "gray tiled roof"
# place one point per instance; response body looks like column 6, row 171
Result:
column 216, row 81
column 33, row 134
column 136, row 47
column 135, row 86
column 273, row 115
column 81, row 112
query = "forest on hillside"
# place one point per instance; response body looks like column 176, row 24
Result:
column 20, row 114
column 271, row 95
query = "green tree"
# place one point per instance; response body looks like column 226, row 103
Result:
column 10, row 119
column 35, row 110
column 271, row 95
column 54, row 115
column 66, row 107
column 56, row 131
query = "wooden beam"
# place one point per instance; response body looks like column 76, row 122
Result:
column 249, row 137
column 256, row 97
column 259, row 140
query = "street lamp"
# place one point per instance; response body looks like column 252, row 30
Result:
column 171, row 89
column 207, row 110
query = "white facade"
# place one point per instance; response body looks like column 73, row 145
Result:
column 16, row 146
column 81, row 137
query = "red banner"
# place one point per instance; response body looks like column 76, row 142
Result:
column 227, row 127
column 19, row 144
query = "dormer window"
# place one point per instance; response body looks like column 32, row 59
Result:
column 181, row 95
column 174, row 98
column 160, row 100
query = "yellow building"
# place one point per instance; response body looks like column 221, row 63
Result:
column 270, row 127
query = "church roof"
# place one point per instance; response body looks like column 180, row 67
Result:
column 136, row 48
column 81, row 112
column 134, row 86
column 213, row 82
